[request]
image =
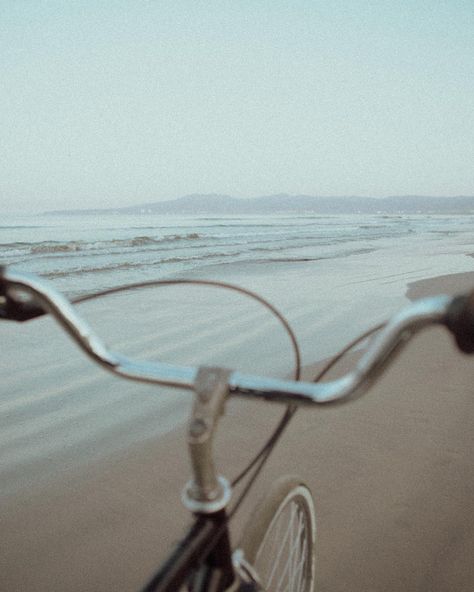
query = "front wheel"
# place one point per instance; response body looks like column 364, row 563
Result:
column 279, row 538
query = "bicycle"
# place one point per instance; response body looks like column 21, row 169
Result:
column 205, row 560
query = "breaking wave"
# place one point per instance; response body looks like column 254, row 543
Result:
column 52, row 247
column 135, row 265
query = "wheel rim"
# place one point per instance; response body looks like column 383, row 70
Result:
column 284, row 559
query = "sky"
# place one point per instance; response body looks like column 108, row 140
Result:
column 116, row 103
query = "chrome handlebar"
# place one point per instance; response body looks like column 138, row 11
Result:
column 22, row 292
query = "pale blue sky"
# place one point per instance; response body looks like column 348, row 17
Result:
column 113, row 103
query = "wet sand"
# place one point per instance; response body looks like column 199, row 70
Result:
column 392, row 476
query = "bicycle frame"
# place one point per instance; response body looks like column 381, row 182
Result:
column 212, row 569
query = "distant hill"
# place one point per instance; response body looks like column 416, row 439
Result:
column 213, row 204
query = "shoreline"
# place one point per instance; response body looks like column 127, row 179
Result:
column 443, row 284
column 451, row 284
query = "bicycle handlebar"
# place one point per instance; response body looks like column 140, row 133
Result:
column 457, row 314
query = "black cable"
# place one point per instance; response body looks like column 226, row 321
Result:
column 344, row 351
column 263, row 456
column 266, row 450
column 287, row 415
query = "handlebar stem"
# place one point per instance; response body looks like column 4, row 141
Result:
column 206, row 493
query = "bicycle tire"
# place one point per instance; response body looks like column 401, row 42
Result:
column 279, row 537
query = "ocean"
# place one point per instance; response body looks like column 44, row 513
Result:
column 80, row 254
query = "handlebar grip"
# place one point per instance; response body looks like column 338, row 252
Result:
column 460, row 321
column 16, row 310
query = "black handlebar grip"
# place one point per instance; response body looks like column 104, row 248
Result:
column 13, row 310
column 460, row 321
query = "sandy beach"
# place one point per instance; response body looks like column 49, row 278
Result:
column 392, row 476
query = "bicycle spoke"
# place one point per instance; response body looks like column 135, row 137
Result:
column 280, row 552
column 284, row 555
column 301, row 566
column 293, row 545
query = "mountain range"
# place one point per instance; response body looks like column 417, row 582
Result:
column 214, row 204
